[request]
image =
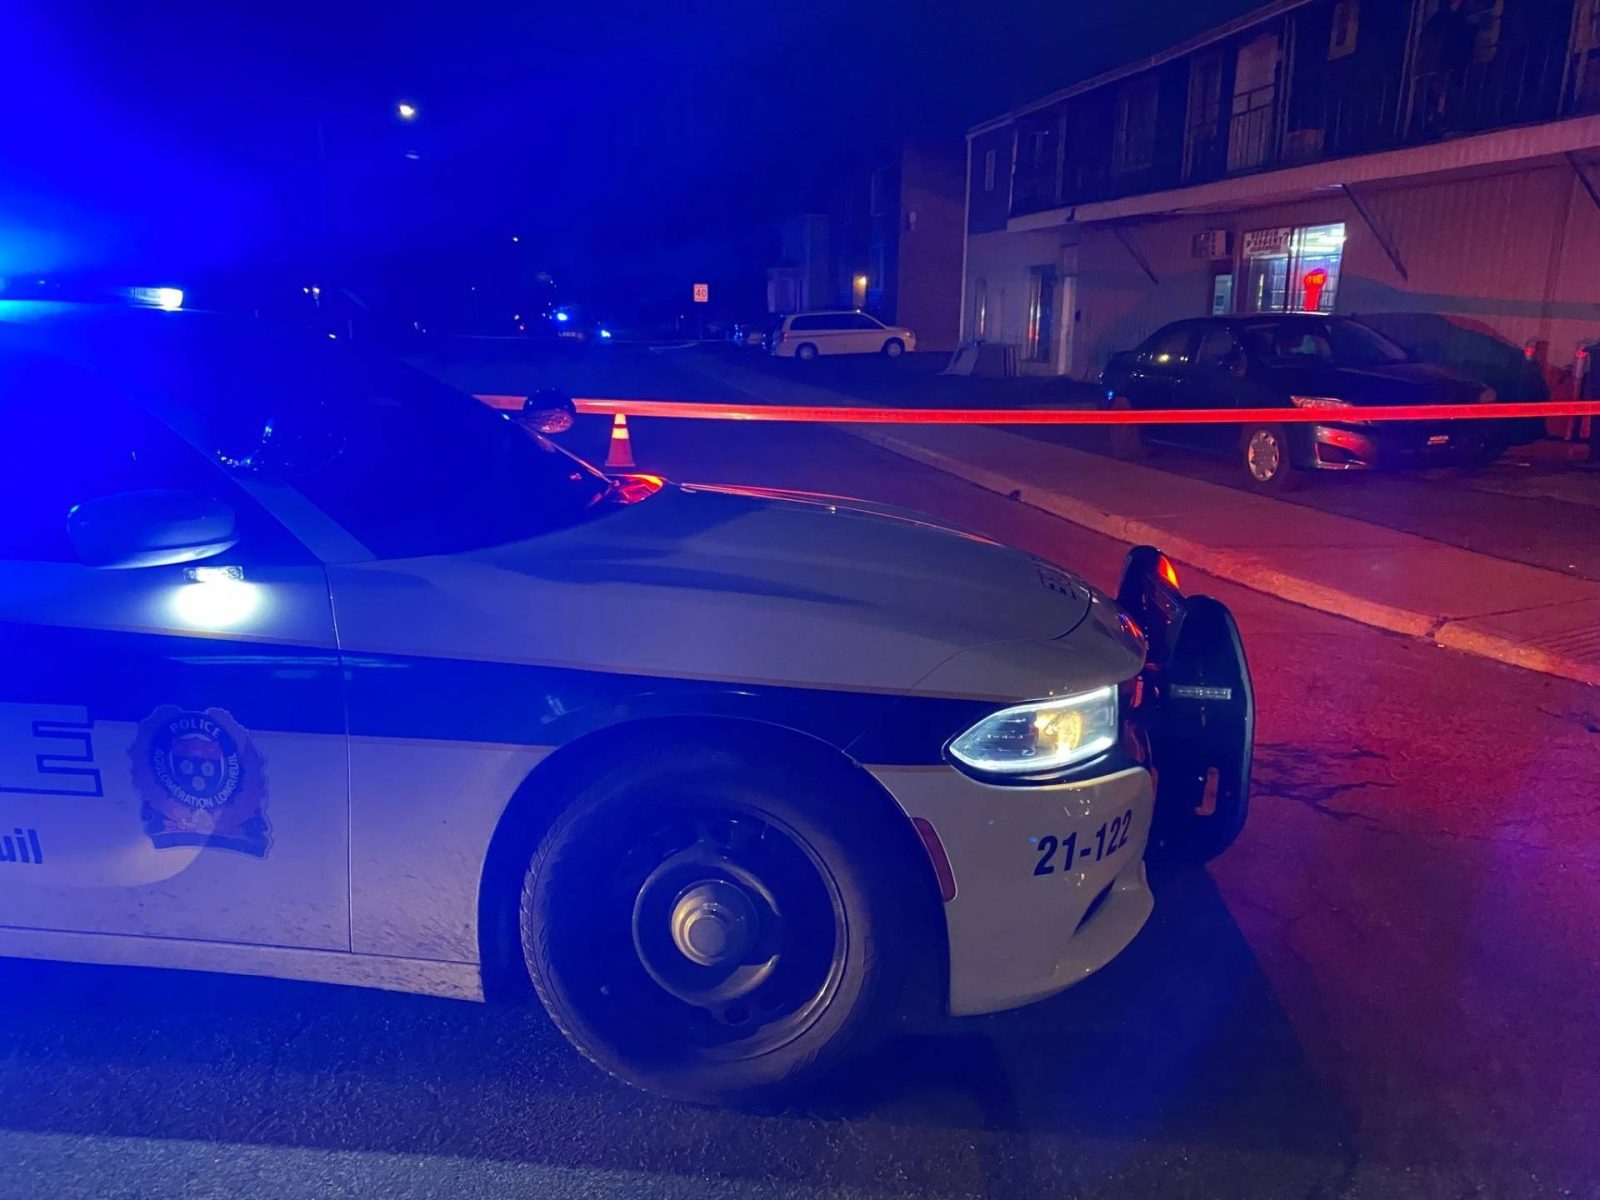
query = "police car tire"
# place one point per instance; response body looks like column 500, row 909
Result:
column 847, row 834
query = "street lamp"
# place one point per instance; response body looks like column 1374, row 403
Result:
column 406, row 110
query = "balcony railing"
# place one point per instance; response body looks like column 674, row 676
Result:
column 1519, row 84
column 1253, row 129
column 1035, row 189
column 1204, row 145
column 1527, row 79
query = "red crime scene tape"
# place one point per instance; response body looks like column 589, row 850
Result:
column 851, row 415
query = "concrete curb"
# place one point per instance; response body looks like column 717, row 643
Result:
column 1248, row 570
column 1458, row 635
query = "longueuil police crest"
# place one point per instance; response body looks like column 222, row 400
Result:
column 201, row 781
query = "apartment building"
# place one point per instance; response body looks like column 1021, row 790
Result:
column 897, row 238
column 1430, row 165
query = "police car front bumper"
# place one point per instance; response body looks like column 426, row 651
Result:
column 1049, row 880
column 1024, row 922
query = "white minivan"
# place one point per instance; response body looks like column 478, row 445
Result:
column 808, row 334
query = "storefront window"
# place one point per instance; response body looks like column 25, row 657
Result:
column 1292, row 269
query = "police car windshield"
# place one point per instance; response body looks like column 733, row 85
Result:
column 411, row 467
column 404, row 463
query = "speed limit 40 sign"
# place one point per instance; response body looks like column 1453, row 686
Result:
column 702, row 293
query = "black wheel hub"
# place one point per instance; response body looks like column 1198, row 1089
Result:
column 708, row 931
column 738, row 929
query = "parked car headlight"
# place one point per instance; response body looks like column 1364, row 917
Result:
column 1045, row 735
column 1318, row 402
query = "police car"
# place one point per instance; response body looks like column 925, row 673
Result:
column 311, row 667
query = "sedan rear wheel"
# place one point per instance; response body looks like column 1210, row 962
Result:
column 1266, row 459
column 708, row 931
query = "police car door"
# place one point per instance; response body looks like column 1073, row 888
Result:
column 172, row 749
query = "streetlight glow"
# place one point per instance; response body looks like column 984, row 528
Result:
column 407, row 111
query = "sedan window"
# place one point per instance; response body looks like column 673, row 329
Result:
column 1217, row 347
column 1169, row 347
column 1331, row 343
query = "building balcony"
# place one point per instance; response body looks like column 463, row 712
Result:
column 1527, row 80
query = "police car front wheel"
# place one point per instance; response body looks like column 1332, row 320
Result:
column 706, row 928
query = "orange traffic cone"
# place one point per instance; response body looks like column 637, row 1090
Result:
column 620, row 452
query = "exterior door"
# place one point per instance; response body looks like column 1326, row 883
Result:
column 1253, row 123
column 1203, row 134
column 1067, row 321
column 1041, row 333
column 173, row 759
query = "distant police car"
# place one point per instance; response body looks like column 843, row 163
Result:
column 311, row 667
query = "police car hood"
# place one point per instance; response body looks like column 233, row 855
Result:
column 750, row 583
column 890, row 565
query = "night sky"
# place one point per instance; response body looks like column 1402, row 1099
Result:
column 618, row 140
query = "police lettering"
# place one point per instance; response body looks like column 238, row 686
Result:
column 21, row 846
column 47, row 749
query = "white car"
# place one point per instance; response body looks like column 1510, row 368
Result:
column 808, row 334
column 311, row 667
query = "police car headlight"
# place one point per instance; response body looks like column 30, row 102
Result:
column 1043, row 736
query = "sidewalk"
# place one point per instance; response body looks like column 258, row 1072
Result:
column 1458, row 598
column 910, row 382
column 1524, row 615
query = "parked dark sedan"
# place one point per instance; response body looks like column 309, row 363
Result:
column 1305, row 361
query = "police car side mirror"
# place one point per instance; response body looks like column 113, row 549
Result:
column 150, row 529
column 549, row 411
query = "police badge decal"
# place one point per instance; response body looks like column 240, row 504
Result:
column 201, row 781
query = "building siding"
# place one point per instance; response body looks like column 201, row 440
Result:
column 1492, row 263
column 989, row 209
column 1487, row 252
column 998, row 266
column 928, row 253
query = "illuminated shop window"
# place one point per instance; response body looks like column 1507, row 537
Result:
column 1291, row 269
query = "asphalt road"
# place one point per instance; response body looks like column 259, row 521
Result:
column 1542, row 513
column 1386, row 988
column 1538, row 511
